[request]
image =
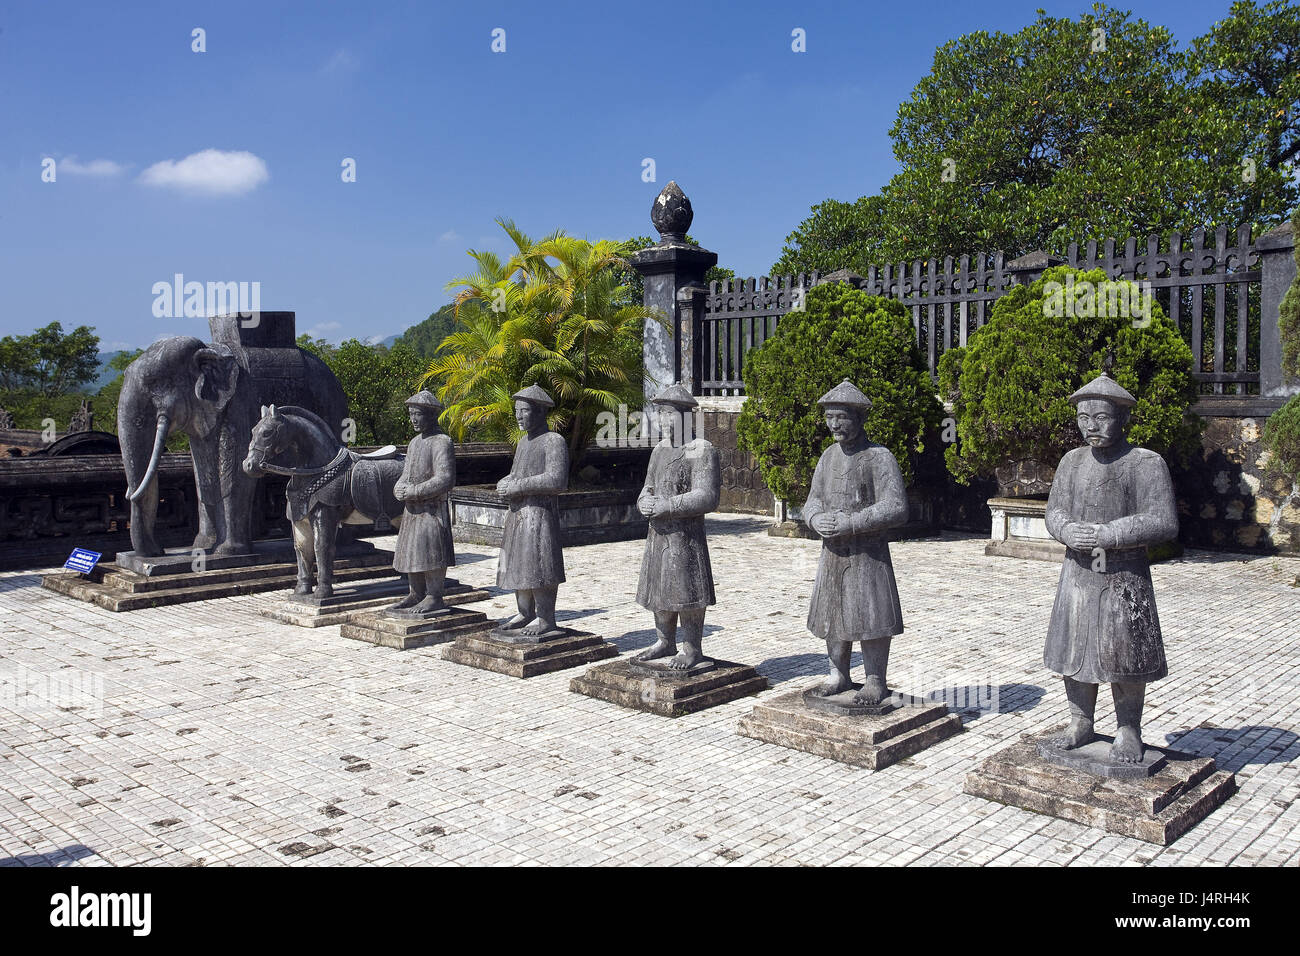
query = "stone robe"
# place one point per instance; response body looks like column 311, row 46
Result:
column 1104, row 626
column 675, row 571
column 424, row 536
column 855, row 597
column 531, row 556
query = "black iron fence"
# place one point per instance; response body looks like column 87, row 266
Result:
column 1215, row 286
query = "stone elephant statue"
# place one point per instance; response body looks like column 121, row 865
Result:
column 214, row 393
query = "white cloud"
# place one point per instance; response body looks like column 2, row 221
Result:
column 341, row 62
column 318, row 331
column 375, row 339
column 96, row 167
column 211, row 171
column 451, row 235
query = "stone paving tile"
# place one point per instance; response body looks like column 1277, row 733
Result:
column 207, row 734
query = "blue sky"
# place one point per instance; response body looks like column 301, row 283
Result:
column 446, row 135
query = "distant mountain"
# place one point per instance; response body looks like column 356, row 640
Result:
column 104, row 375
column 425, row 337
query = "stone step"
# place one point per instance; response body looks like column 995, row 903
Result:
column 870, row 742
column 133, row 583
column 76, row 586
column 404, row 635
column 519, row 659
column 352, row 600
column 668, row 695
column 1158, row 809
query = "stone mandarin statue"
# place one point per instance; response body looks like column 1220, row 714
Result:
column 856, row 496
column 682, row 485
column 1109, row 500
column 424, row 546
column 532, row 562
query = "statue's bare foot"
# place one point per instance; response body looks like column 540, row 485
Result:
column 517, row 621
column 872, row 693
column 429, row 604
column 1127, row 747
column 411, row 600
column 684, row 660
column 1077, row 734
column 537, row 626
column 834, row 684
column 658, row 649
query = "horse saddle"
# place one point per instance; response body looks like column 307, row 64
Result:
column 372, row 480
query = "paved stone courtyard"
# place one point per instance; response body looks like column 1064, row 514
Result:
column 214, row 735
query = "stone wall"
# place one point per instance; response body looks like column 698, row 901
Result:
column 1228, row 498
column 743, row 489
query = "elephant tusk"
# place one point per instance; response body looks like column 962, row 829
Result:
column 160, row 439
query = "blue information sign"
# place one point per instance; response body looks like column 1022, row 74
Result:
column 81, row 560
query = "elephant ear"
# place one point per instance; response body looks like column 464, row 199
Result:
column 216, row 375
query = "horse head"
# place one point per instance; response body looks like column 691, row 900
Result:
column 289, row 440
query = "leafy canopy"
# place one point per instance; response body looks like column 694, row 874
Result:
column 1010, row 386
column 555, row 315
column 843, row 333
column 1069, row 130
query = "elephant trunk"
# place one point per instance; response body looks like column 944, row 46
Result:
column 160, row 440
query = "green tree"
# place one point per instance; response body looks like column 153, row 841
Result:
column 555, row 315
column 377, row 382
column 1010, row 386
column 843, row 333
column 322, row 349
column 1070, row 130
column 49, row 361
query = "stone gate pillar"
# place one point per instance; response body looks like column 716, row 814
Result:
column 673, row 271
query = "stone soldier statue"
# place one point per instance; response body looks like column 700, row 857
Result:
column 1109, row 500
column 532, row 562
column 856, row 496
column 682, row 485
column 424, row 546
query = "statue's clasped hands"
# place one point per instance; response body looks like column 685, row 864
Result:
column 1085, row 537
column 832, row 524
column 503, row 486
column 654, row 507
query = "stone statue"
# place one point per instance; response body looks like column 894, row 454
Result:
column 532, row 562
column 424, row 548
column 6, row 418
column 215, row 393
column 857, row 495
column 682, row 485
column 1109, row 501
column 83, row 419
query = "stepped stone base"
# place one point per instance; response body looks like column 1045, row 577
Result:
column 1158, row 808
column 350, row 601
column 405, row 633
column 171, row 579
column 569, row 648
column 869, row 741
column 666, row 693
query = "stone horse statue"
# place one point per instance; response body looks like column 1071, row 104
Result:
column 329, row 485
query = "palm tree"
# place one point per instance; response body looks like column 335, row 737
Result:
column 550, row 316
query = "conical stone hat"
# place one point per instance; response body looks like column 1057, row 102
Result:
column 1104, row 387
column 677, row 396
column 845, row 393
column 425, row 399
column 535, row 395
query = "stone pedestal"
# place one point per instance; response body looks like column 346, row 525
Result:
column 906, row 726
column 1156, row 801
column 350, row 600
column 171, row 578
column 669, row 693
column 406, row 632
column 521, row 657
